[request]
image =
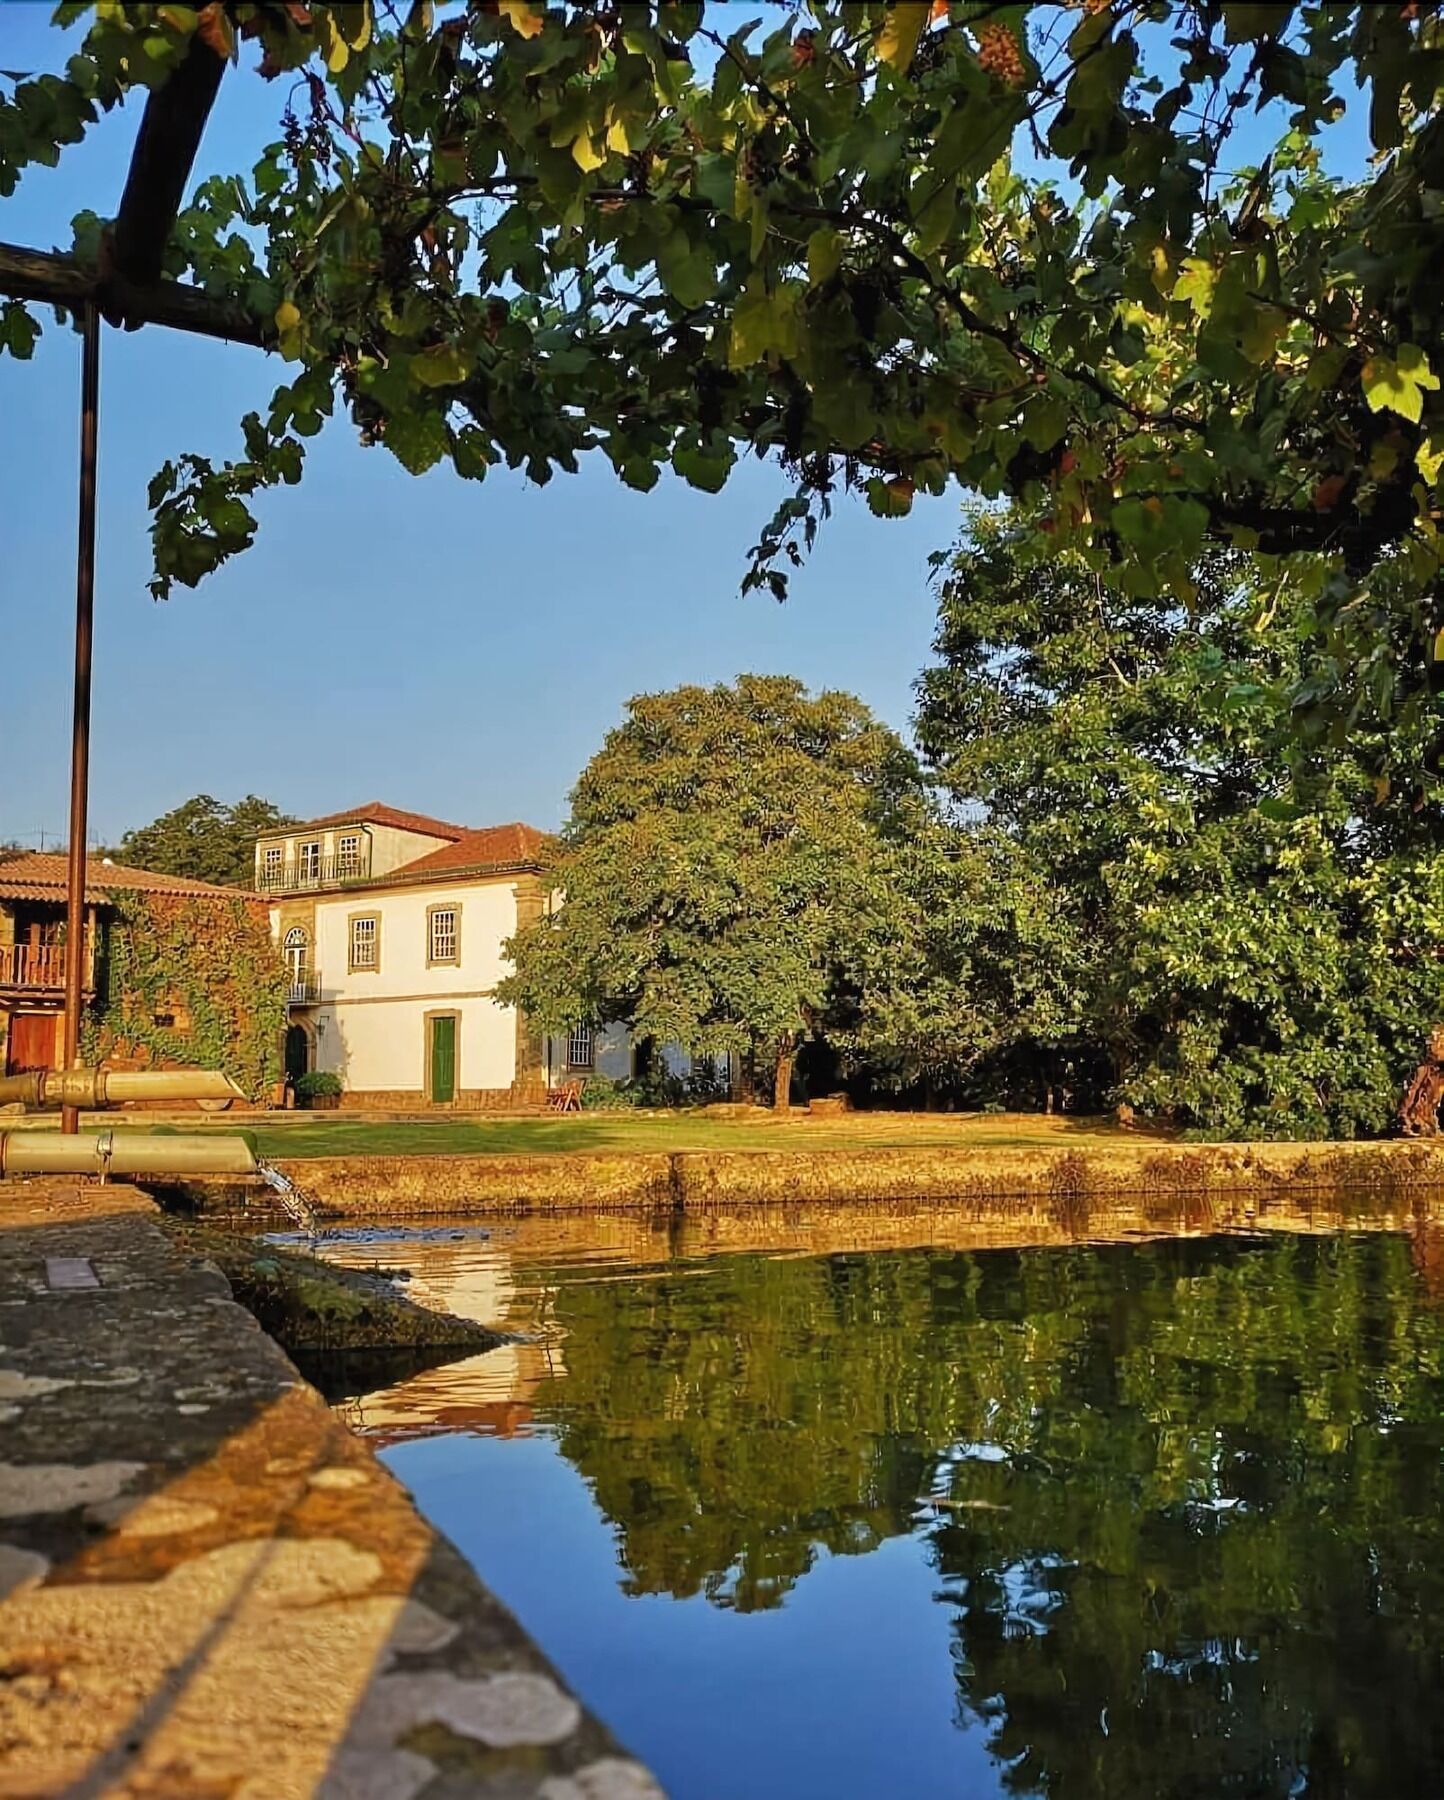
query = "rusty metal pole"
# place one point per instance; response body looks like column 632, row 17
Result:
column 80, row 731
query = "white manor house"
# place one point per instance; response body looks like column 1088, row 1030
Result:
column 392, row 926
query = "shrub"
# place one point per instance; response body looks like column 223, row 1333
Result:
column 601, row 1095
column 317, row 1082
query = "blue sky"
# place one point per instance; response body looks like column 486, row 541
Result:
column 456, row 649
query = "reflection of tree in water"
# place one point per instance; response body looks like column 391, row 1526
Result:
column 1189, row 1493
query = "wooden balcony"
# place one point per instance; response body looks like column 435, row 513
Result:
column 33, row 968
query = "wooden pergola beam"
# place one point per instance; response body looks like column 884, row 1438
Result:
column 160, row 164
column 126, row 284
column 48, row 276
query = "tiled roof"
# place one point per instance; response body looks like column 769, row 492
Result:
column 42, row 875
column 375, row 813
column 494, row 847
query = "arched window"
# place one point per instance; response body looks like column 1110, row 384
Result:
column 297, row 947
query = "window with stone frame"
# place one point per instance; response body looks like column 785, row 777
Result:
column 365, row 942
column 442, row 934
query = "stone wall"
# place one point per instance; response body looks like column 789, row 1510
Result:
column 382, row 1186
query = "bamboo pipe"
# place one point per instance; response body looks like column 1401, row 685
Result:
column 124, row 1153
column 114, row 1087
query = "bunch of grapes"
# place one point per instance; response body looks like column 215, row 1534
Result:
column 1000, row 54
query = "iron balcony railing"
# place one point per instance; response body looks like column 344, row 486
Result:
column 303, row 990
column 307, row 874
column 32, row 966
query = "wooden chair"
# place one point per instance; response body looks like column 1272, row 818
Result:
column 565, row 1098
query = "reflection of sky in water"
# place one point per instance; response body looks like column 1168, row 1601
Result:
column 847, row 1692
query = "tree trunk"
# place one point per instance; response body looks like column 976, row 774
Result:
column 1419, row 1109
column 782, row 1081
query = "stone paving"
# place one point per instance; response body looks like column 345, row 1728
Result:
column 209, row 1590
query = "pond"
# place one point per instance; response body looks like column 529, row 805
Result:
column 1091, row 1519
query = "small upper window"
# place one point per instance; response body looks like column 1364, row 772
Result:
column 365, row 942
column 442, row 928
column 581, row 1047
column 310, row 861
column 271, row 860
column 348, row 854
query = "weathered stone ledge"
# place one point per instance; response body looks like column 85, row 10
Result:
column 414, row 1186
column 307, row 1304
column 207, row 1584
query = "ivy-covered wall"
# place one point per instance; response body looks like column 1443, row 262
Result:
column 190, row 981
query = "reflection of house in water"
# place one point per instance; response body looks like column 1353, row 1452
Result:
column 489, row 1394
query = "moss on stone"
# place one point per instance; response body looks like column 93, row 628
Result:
column 307, row 1304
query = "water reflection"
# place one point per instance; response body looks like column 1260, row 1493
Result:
column 1180, row 1498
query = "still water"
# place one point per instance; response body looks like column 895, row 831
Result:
column 1093, row 1519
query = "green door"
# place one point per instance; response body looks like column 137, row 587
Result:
column 443, row 1058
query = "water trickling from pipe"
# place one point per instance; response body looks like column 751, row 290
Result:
column 293, row 1202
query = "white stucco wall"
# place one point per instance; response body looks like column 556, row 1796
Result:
column 612, row 1054
column 390, row 847
column 612, row 1048
column 371, row 1028
column 384, row 1046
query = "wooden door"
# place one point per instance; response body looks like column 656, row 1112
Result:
column 31, row 1043
column 443, row 1058
column 298, row 1051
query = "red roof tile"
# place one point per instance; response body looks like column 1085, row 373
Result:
column 42, row 875
column 375, row 813
column 494, row 847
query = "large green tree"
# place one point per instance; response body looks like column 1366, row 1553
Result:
column 974, row 981
column 205, row 839
column 1255, row 946
column 1018, row 247
column 728, row 850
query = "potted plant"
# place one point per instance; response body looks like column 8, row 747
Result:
column 319, row 1090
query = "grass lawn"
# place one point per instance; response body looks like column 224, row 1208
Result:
column 675, row 1131
column 288, row 1135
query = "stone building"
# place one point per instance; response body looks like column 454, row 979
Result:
column 33, row 950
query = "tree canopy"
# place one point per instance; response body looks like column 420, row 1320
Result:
column 726, row 852
column 205, row 839
column 1254, row 931
column 1015, row 247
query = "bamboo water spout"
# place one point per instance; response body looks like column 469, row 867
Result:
column 114, row 1087
column 124, row 1153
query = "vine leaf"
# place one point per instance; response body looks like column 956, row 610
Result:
column 1397, row 383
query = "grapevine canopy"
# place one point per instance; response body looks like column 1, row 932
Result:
column 1017, row 249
